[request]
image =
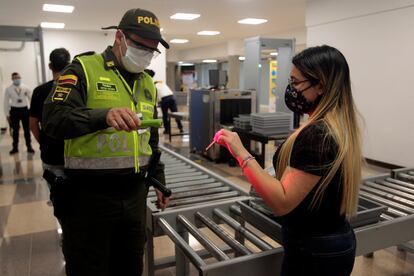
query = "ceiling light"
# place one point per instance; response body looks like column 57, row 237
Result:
column 178, row 40
column 185, row 16
column 208, row 33
column 187, row 64
column 162, row 29
column 209, row 60
column 252, row 21
column 274, row 53
column 58, row 8
column 52, row 25
column 242, row 58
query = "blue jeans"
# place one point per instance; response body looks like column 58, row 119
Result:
column 331, row 254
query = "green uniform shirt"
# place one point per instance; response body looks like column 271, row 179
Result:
column 66, row 114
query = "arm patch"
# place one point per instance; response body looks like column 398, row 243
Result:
column 60, row 94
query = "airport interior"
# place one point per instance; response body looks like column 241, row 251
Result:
column 219, row 111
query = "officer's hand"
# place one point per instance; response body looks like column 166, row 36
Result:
column 162, row 201
column 122, row 119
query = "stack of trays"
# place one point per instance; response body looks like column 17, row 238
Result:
column 272, row 123
column 242, row 122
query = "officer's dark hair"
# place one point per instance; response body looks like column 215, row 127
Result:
column 150, row 72
column 15, row 74
column 59, row 58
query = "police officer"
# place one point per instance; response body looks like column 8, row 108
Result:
column 94, row 106
column 51, row 150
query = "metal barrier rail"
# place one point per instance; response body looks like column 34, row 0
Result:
column 191, row 185
column 204, row 199
column 397, row 221
column 239, row 260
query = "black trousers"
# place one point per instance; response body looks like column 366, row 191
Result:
column 18, row 114
column 169, row 102
column 103, row 223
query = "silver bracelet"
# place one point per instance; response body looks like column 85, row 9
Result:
column 246, row 160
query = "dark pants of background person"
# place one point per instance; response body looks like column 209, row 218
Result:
column 103, row 224
column 18, row 114
column 328, row 255
column 168, row 102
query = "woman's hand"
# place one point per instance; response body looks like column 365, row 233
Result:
column 232, row 142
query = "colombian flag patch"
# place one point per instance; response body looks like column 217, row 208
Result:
column 67, row 79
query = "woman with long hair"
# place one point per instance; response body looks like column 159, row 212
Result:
column 318, row 168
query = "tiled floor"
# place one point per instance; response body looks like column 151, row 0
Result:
column 29, row 239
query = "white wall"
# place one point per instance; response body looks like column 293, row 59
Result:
column 376, row 37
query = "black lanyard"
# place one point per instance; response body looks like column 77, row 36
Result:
column 18, row 91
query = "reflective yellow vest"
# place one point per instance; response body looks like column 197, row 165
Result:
column 109, row 148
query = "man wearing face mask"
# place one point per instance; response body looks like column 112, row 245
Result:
column 93, row 106
column 16, row 101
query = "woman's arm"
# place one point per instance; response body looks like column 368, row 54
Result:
column 282, row 196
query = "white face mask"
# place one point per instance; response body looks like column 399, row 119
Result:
column 135, row 60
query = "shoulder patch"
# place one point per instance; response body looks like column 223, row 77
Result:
column 67, row 79
column 60, row 94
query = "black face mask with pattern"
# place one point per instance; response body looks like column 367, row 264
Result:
column 296, row 102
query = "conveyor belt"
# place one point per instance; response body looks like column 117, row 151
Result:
column 397, row 221
column 187, row 181
column 205, row 200
column 192, row 187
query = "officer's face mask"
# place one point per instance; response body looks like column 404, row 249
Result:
column 136, row 60
column 17, row 82
column 296, row 102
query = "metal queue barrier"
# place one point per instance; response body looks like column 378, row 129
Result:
column 192, row 186
column 385, row 218
column 396, row 225
column 406, row 175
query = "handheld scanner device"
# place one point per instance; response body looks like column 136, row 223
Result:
column 151, row 123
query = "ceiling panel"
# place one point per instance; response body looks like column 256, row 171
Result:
column 217, row 15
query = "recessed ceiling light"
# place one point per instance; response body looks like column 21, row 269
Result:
column 52, row 25
column 242, row 58
column 185, row 16
column 209, row 60
column 162, row 29
column 208, row 33
column 274, row 53
column 58, row 8
column 187, row 64
column 178, row 40
column 252, row 21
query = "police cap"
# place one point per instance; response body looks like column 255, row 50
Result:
column 142, row 23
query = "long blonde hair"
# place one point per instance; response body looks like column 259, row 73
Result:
column 336, row 109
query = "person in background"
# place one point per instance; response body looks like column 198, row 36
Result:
column 51, row 150
column 16, row 101
column 166, row 97
column 318, row 168
column 94, row 107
